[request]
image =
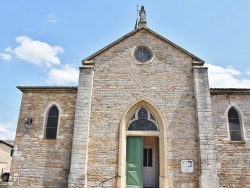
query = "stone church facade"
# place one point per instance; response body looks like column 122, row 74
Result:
column 142, row 115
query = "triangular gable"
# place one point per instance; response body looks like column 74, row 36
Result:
column 199, row 62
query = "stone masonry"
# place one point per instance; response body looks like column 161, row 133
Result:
column 120, row 80
column 233, row 157
column 38, row 162
column 208, row 164
column 78, row 167
column 86, row 153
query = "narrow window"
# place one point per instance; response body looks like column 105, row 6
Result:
column 234, row 125
column 52, row 123
column 11, row 152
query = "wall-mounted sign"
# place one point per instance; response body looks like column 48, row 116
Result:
column 187, row 166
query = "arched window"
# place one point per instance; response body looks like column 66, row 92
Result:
column 143, row 120
column 234, row 125
column 52, row 123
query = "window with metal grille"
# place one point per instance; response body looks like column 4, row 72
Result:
column 234, row 125
column 142, row 54
column 52, row 123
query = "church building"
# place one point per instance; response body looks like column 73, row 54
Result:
column 142, row 115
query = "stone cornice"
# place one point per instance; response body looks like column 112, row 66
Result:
column 229, row 91
column 48, row 88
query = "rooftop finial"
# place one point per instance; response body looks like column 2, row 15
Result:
column 136, row 23
column 143, row 21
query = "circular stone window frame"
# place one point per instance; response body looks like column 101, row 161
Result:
column 139, row 62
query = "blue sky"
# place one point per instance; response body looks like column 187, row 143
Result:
column 43, row 42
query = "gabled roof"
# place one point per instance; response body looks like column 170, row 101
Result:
column 200, row 61
column 5, row 142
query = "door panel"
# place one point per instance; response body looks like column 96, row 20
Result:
column 150, row 162
column 149, row 168
column 134, row 162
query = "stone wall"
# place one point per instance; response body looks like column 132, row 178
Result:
column 208, row 165
column 39, row 162
column 233, row 157
column 119, row 80
column 79, row 157
column 167, row 82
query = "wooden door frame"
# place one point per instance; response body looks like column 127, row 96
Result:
column 161, row 134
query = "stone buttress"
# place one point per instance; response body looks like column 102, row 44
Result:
column 208, row 162
column 79, row 156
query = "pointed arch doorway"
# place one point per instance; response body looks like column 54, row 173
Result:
column 141, row 153
column 141, row 148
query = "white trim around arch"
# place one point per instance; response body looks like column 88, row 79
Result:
column 45, row 115
column 161, row 134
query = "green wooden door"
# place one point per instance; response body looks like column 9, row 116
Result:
column 134, row 160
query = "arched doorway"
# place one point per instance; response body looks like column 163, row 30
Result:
column 142, row 153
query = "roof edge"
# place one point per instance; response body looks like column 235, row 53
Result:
column 27, row 88
column 110, row 45
column 198, row 61
column 1, row 141
column 178, row 47
column 229, row 91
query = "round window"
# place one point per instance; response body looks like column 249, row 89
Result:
column 142, row 54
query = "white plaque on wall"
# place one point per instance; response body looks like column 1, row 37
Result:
column 187, row 166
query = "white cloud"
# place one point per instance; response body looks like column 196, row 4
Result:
column 248, row 71
column 36, row 52
column 52, row 18
column 232, row 71
column 5, row 56
column 67, row 74
column 220, row 77
column 6, row 131
column 8, row 49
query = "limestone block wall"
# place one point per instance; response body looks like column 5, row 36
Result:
column 38, row 162
column 167, row 82
column 208, row 168
column 78, row 167
column 233, row 157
